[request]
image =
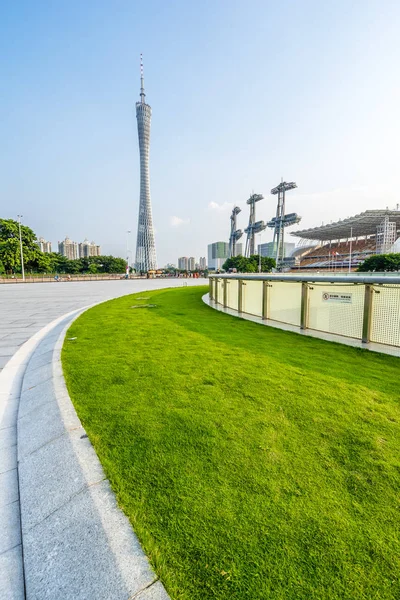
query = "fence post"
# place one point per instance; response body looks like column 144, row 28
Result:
column 216, row 290
column 211, row 288
column 265, row 300
column 225, row 301
column 240, row 295
column 304, row 305
column 367, row 316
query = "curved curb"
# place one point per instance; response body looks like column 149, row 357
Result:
column 12, row 585
column 76, row 542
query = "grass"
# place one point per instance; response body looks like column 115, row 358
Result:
column 252, row 463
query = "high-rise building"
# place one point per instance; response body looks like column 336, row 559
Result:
column 239, row 249
column 43, row 245
column 192, row 263
column 202, row 263
column 183, row 263
column 145, row 245
column 269, row 249
column 68, row 248
column 218, row 252
column 87, row 249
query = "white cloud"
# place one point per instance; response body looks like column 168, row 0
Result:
column 178, row 221
column 220, row 207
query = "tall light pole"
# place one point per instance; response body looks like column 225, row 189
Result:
column 259, row 255
column 351, row 247
column 127, row 245
column 20, row 246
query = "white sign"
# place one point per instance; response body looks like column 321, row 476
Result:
column 337, row 297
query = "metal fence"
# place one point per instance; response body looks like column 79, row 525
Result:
column 365, row 308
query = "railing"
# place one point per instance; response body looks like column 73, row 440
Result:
column 43, row 278
column 366, row 308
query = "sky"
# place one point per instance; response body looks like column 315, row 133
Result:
column 242, row 93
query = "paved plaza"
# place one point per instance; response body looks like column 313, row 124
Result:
column 26, row 308
column 33, row 313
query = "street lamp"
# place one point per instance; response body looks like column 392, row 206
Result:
column 20, row 246
column 127, row 245
column 351, row 248
column 259, row 255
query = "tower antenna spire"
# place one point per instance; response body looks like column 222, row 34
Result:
column 142, row 94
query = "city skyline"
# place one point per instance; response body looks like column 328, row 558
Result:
column 72, row 145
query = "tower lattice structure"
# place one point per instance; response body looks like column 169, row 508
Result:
column 236, row 234
column 254, row 226
column 145, row 246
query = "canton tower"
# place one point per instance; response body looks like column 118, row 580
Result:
column 145, row 246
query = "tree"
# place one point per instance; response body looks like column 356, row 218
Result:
column 10, row 253
column 249, row 265
column 381, row 262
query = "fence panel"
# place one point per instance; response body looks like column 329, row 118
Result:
column 252, row 298
column 284, row 302
column 220, row 291
column 336, row 309
column 385, row 327
column 233, row 294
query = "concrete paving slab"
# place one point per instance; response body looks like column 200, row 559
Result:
column 12, row 575
column 8, row 437
column 8, row 460
column 4, row 360
column 7, row 349
column 9, row 415
column 39, row 360
column 52, row 425
column 36, row 376
column 53, row 552
column 8, row 487
column 53, row 475
column 36, row 396
column 10, row 534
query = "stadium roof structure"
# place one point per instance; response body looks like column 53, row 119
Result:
column 358, row 226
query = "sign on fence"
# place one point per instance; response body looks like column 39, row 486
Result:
column 337, row 297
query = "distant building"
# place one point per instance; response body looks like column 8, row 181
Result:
column 68, row 248
column 202, row 263
column 192, row 263
column 183, row 263
column 239, row 249
column 87, row 249
column 43, row 245
column 269, row 249
column 218, row 252
column 170, row 266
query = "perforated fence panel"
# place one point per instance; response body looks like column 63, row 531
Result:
column 336, row 309
column 385, row 327
column 233, row 294
column 252, row 298
column 284, row 302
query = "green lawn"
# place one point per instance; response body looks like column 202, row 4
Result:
column 253, row 463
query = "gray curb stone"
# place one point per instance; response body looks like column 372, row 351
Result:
column 77, row 543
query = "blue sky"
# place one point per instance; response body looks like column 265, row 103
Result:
column 242, row 93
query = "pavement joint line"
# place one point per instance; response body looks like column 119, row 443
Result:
column 9, row 549
column 146, row 587
column 6, row 427
column 67, row 501
column 54, row 439
column 12, row 501
column 33, row 409
column 36, row 384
